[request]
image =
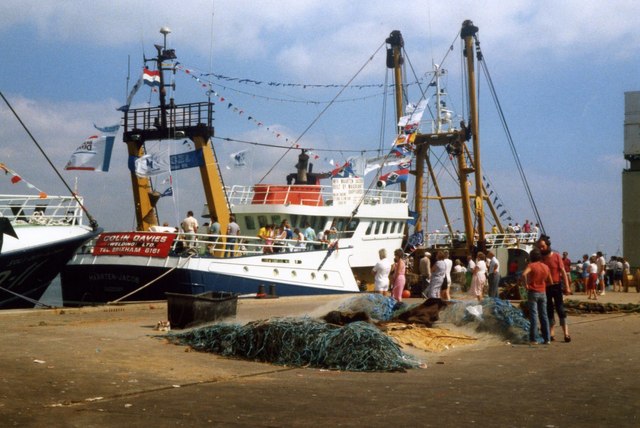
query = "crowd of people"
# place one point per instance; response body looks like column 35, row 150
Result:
column 284, row 238
column 593, row 274
column 437, row 274
column 272, row 238
column 546, row 278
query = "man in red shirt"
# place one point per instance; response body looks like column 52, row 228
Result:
column 536, row 277
column 555, row 289
column 567, row 262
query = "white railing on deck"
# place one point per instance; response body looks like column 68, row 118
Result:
column 446, row 240
column 244, row 195
column 49, row 211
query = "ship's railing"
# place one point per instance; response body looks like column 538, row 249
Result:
column 237, row 246
column 494, row 240
column 48, row 211
column 178, row 116
column 303, row 195
column 208, row 245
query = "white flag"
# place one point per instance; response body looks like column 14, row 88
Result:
column 153, row 164
column 363, row 166
column 413, row 116
column 239, row 158
column 93, row 155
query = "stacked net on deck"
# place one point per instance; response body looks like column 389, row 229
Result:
column 492, row 315
column 299, row 342
column 377, row 306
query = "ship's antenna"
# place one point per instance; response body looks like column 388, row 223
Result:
column 126, row 93
column 211, row 47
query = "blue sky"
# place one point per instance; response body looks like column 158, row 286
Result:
column 560, row 70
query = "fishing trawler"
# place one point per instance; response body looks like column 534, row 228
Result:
column 38, row 235
column 152, row 260
column 448, row 150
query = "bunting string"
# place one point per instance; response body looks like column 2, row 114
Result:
column 289, row 100
column 346, row 170
column 503, row 212
column 279, row 135
column 16, row 178
column 304, row 85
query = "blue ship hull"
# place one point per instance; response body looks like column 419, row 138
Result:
column 99, row 284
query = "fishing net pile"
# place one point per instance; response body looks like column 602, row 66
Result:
column 376, row 306
column 299, row 342
column 492, row 315
column 575, row 307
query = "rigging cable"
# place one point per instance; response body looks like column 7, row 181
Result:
column 92, row 221
column 313, row 122
column 509, row 138
column 383, row 115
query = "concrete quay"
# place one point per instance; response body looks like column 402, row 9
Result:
column 106, row 366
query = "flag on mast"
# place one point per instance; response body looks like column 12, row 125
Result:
column 151, row 77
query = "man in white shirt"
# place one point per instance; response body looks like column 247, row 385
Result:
column 425, row 271
column 189, row 227
column 494, row 274
column 444, row 290
column 381, row 270
column 233, row 230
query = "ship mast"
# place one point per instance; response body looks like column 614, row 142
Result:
column 171, row 122
column 468, row 33
column 395, row 62
column 453, row 140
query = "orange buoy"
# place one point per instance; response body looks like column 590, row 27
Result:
column 406, row 294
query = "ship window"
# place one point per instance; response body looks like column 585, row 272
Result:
column 262, row 220
column 345, row 226
column 385, row 226
column 377, row 232
column 368, row 232
column 275, row 219
column 294, row 221
column 250, row 223
column 392, row 228
column 303, row 221
column 351, row 228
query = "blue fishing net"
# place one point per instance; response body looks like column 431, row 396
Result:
column 495, row 316
column 377, row 306
column 300, row 342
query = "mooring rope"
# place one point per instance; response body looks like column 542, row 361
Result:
column 152, row 281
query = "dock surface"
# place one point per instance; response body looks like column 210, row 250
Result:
column 107, row 366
